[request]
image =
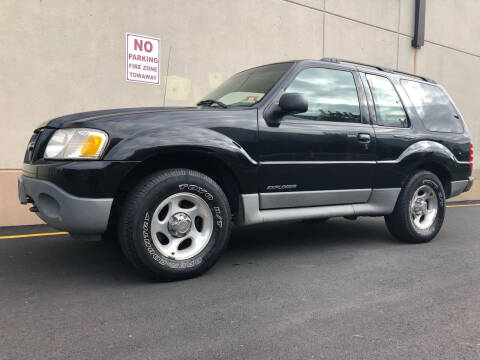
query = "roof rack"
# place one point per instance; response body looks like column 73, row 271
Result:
column 381, row 68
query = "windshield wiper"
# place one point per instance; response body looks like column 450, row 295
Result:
column 210, row 102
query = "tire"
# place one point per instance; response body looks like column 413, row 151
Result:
column 155, row 217
column 416, row 221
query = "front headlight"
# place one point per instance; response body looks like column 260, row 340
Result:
column 80, row 144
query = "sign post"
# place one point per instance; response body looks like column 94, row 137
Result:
column 143, row 59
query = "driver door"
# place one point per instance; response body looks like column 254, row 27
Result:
column 325, row 156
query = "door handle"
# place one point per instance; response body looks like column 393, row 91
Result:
column 364, row 138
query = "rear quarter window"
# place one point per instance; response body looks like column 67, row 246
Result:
column 433, row 107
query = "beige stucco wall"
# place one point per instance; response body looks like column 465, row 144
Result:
column 66, row 56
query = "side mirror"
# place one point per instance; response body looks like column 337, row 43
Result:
column 293, row 103
column 289, row 104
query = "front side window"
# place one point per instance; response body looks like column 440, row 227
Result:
column 332, row 95
column 388, row 107
column 433, row 107
column 250, row 86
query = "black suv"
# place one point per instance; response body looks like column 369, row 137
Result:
column 287, row 141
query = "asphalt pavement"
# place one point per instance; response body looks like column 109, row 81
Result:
column 336, row 290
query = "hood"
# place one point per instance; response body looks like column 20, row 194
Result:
column 127, row 123
column 103, row 114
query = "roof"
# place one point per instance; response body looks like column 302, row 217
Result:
column 359, row 65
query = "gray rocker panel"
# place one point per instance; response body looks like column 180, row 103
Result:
column 294, row 199
column 381, row 202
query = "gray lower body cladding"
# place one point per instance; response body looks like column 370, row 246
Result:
column 311, row 198
column 268, row 207
column 90, row 216
column 77, row 215
column 381, row 202
column 458, row 187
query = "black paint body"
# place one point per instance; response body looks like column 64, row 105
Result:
column 313, row 155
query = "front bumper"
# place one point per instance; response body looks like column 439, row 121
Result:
column 64, row 211
column 458, row 187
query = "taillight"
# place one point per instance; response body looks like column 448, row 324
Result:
column 471, row 156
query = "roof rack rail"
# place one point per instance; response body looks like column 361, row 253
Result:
column 381, row 68
column 338, row 61
column 417, row 76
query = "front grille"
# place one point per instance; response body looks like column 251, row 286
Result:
column 31, row 146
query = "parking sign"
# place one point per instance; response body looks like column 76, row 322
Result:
column 143, row 59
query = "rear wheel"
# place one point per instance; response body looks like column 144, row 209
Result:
column 420, row 210
column 175, row 224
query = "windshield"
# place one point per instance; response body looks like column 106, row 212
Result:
column 249, row 86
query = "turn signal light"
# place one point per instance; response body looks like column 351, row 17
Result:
column 91, row 146
column 471, row 156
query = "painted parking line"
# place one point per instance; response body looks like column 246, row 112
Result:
column 32, row 235
column 462, row 205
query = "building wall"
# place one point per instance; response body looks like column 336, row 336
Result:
column 66, row 56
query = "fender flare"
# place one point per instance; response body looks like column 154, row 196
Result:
column 425, row 147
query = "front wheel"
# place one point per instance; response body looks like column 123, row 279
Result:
column 420, row 210
column 175, row 224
